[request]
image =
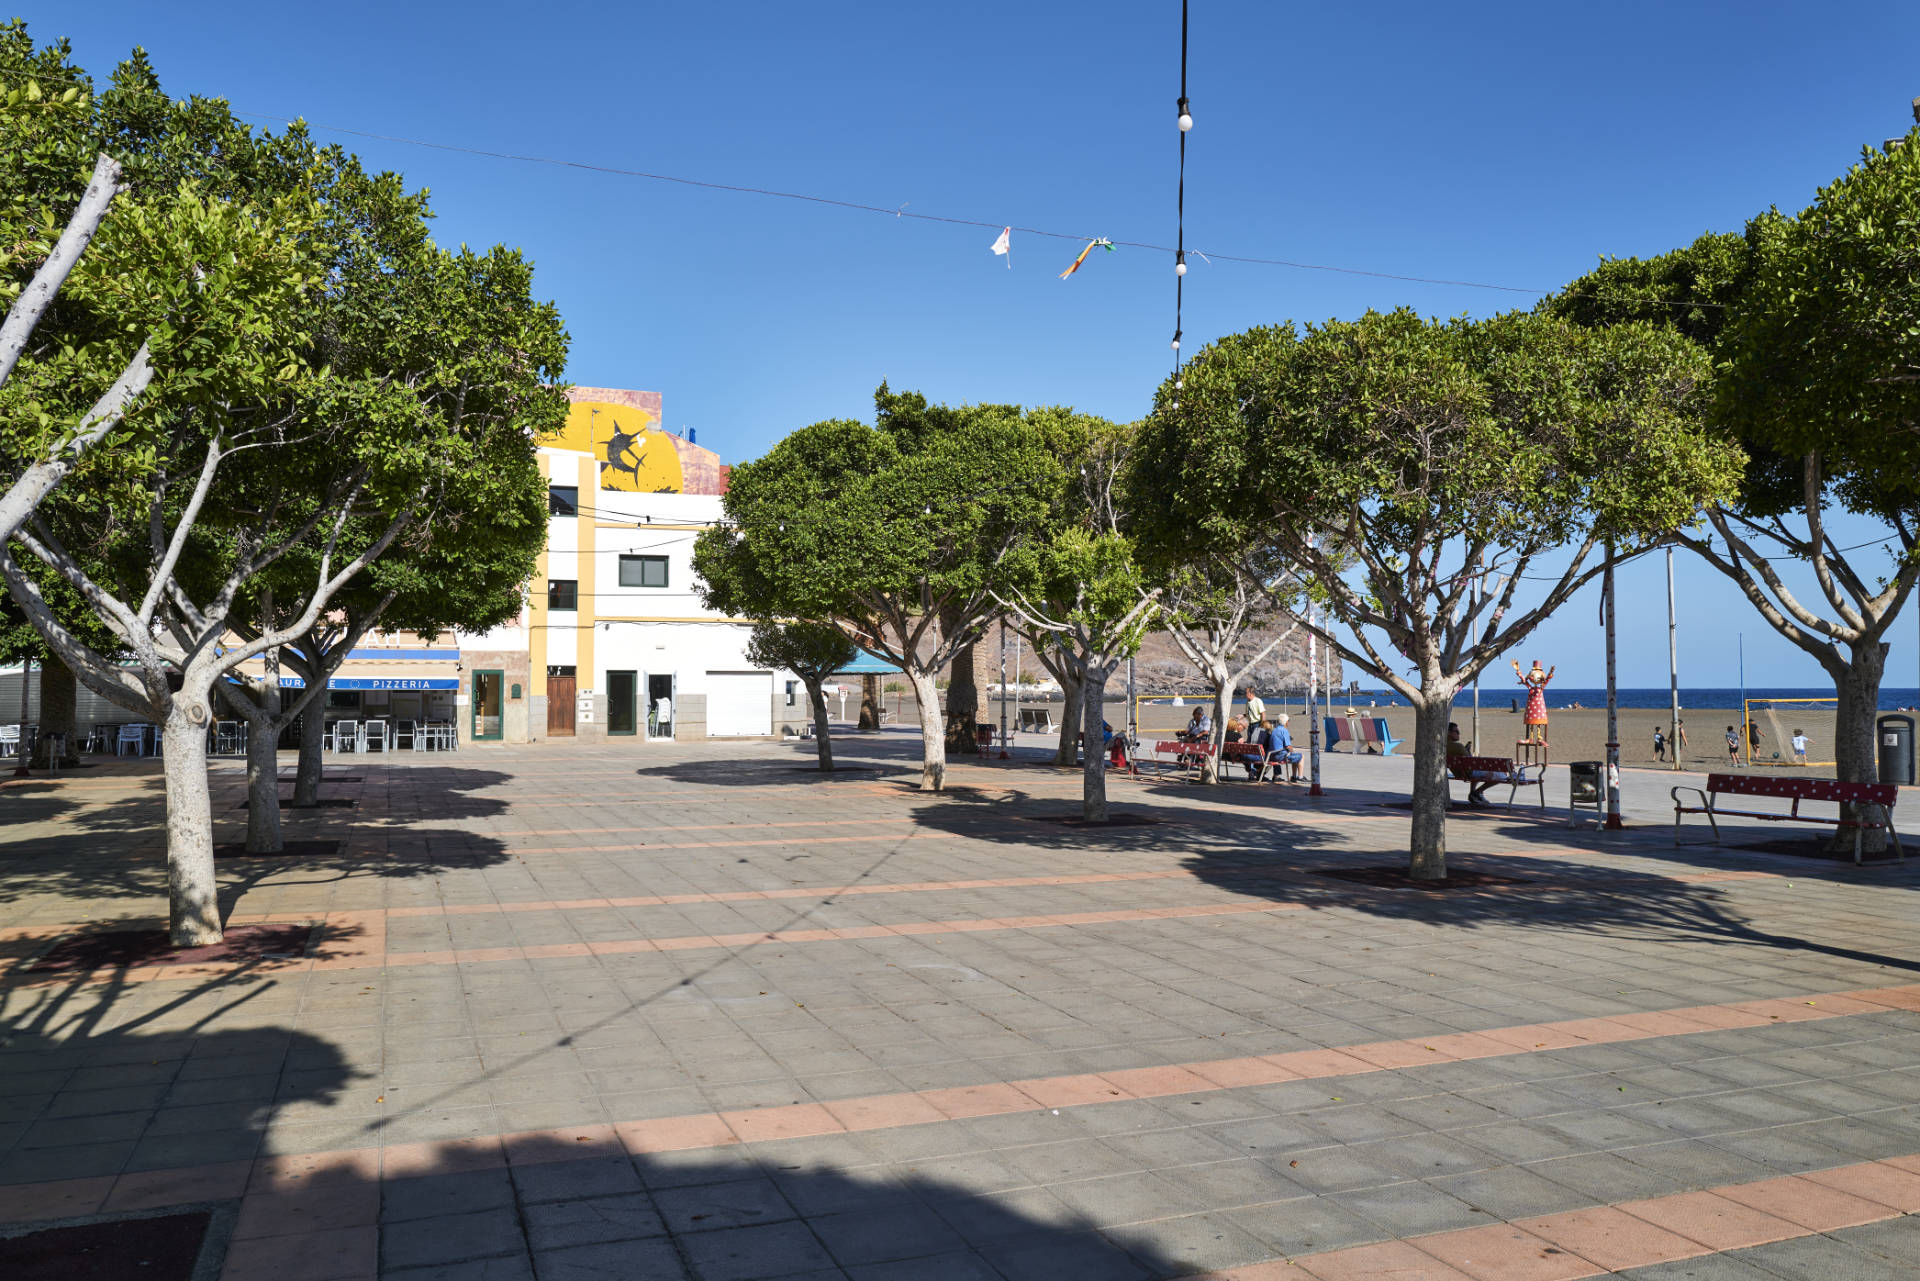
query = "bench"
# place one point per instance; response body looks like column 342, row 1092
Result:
column 1463, row 769
column 1374, row 733
column 1186, row 756
column 1879, row 796
column 1339, row 730
column 1038, row 720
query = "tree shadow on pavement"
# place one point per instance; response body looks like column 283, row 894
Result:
column 120, row 855
column 1267, row 856
column 111, row 1080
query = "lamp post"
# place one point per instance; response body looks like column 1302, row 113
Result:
column 1673, row 668
column 1003, row 688
column 1613, row 704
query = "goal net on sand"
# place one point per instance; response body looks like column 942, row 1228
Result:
column 1779, row 721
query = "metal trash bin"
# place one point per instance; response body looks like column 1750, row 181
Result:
column 1584, row 782
column 1586, row 789
column 1895, row 735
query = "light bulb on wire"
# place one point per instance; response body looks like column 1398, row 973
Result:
column 1186, row 117
column 1180, row 263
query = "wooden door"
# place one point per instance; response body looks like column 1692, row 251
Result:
column 560, row 706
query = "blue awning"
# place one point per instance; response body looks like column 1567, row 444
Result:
column 376, row 682
column 867, row 665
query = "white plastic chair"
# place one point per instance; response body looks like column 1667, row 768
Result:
column 406, row 735
column 373, row 736
column 134, row 736
column 346, row 736
column 9, row 740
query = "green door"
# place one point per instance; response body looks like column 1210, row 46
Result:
column 487, row 706
column 622, row 701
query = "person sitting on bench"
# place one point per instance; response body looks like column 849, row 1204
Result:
column 1280, row 748
column 1478, row 780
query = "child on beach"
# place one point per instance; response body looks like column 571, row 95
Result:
column 1733, row 746
column 1659, row 744
column 1799, row 748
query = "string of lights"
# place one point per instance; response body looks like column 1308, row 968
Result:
column 1184, row 120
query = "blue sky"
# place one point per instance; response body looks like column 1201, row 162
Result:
column 1501, row 143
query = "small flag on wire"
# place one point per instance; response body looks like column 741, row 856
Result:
column 1004, row 245
column 1103, row 243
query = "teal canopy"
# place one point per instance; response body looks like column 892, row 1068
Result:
column 867, row 665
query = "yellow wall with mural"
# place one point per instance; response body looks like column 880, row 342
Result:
column 635, row 455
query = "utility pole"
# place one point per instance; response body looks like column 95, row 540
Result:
column 24, row 756
column 1673, row 667
column 1613, row 705
column 1003, row 687
column 1473, row 612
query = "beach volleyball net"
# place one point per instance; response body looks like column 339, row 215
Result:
column 1779, row 720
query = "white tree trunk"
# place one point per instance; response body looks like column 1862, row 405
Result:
column 263, row 787
column 1855, row 741
column 822, row 734
column 1072, row 697
column 1222, row 707
column 193, row 891
column 1428, row 858
column 1093, row 789
column 933, row 761
column 313, row 736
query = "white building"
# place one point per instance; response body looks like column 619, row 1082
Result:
column 615, row 642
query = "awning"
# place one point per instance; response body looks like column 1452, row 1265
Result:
column 375, row 682
column 867, row 665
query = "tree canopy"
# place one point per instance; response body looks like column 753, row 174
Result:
column 895, row 532
column 1431, row 456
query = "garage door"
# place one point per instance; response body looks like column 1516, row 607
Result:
column 739, row 704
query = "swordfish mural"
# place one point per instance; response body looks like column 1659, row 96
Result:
column 621, row 430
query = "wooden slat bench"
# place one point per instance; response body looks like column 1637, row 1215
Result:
column 1463, row 769
column 1186, row 756
column 1879, row 796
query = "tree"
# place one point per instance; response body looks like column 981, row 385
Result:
column 165, row 556
column 1433, row 454
column 1811, row 320
column 1076, row 577
column 1210, row 608
column 180, row 292
column 893, row 533
column 811, row 651
column 458, row 337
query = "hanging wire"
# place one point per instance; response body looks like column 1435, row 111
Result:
column 1184, row 121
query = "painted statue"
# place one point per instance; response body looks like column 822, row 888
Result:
column 1536, row 682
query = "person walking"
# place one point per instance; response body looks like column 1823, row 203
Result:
column 1753, row 741
column 1799, row 747
column 1733, row 746
column 1659, row 744
column 1256, row 710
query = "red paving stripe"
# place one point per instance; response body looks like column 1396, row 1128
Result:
column 1617, row 1238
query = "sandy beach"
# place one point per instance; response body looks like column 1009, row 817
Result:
column 1572, row 735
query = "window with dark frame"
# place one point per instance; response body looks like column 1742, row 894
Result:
column 643, row 571
column 563, row 593
column 563, row 500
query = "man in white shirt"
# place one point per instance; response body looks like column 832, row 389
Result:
column 1256, row 710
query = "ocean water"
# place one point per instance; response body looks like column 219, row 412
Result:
column 1892, row 697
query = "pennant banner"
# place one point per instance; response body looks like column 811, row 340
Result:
column 1004, row 245
column 1103, row 243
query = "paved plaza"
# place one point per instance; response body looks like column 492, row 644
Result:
column 580, row 1011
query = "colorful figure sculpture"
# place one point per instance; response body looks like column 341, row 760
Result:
column 1536, row 683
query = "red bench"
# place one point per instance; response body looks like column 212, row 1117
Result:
column 1869, row 796
column 1502, row 768
column 1185, row 755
